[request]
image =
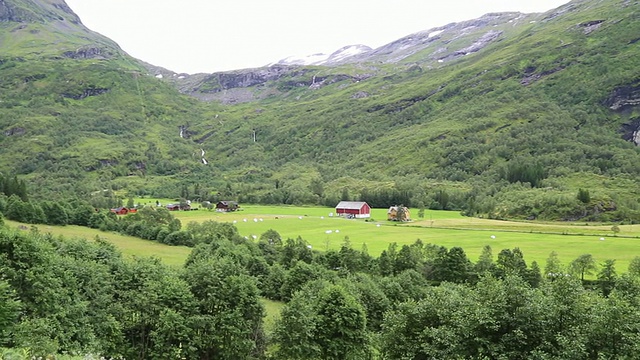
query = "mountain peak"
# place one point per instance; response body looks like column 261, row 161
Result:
column 51, row 22
column 40, row 11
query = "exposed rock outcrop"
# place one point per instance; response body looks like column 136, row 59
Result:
column 360, row 95
column 438, row 40
column 478, row 45
column 6, row 13
column 532, row 76
column 624, row 96
column 244, row 78
column 86, row 93
column 631, row 131
column 89, row 52
column 590, row 26
column 15, row 131
column 64, row 7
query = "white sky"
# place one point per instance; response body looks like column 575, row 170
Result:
column 217, row 35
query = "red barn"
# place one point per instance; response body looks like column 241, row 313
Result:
column 124, row 211
column 354, row 209
column 120, row 211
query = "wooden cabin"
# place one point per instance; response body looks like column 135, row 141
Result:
column 394, row 214
column 226, row 206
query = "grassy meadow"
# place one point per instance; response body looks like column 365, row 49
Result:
column 447, row 228
column 129, row 246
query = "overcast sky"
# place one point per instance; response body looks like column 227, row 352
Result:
column 214, row 35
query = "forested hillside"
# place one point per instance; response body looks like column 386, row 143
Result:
column 507, row 116
column 64, row 297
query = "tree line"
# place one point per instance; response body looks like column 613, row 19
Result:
column 413, row 301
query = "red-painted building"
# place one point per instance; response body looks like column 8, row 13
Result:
column 354, row 209
column 123, row 211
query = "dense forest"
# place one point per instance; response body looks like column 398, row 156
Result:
column 77, row 298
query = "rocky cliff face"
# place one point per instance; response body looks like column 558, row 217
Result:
column 236, row 79
column 624, row 97
column 631, row 131
column 446, row 42
column 430, row 47
column 6, row 13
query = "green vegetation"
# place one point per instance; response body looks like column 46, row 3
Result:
column 444, row 228
column 340, row 303
column 512, row 131
column 536, row 127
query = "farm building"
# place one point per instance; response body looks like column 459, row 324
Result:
column 120, row 211
column 353, row 209
column 398, row 213
column 176, row 207
column 227, row 206
column 123, row 210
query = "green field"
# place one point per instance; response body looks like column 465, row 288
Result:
column 129, row 246
column 446, row 228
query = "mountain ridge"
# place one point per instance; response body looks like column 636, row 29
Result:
column 505, row 118
column 440, row 45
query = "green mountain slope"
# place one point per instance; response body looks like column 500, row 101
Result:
column 505, row 116
column 76, row 111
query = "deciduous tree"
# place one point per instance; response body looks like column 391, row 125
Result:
column 584, row 265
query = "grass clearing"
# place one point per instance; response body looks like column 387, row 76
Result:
column 272, row 311
column 129, row 246
column 447, row 228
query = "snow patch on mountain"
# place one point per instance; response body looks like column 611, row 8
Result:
column 325, row 59
column 314, row 59
column 435, row 33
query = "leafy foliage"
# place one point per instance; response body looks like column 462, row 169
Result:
column 419, row 300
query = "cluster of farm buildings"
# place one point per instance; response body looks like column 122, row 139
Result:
column 362, row 210
column 348, row 209
column 223, row 206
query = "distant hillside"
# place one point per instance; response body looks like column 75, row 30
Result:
column 509, row 115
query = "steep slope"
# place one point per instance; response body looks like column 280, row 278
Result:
column 75, row 110
column 504, row 116
column 519, row 123
column 49, row 28
column 430, row 48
